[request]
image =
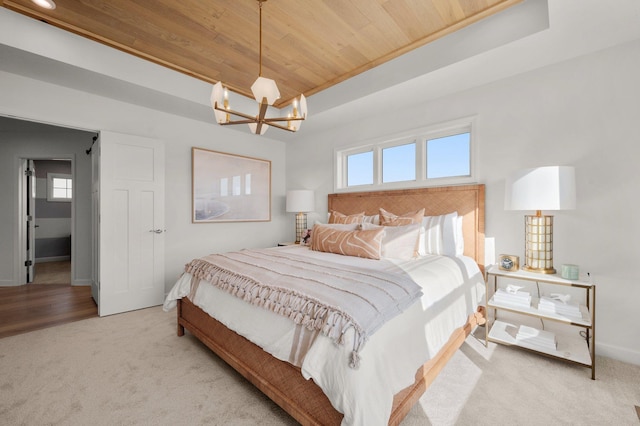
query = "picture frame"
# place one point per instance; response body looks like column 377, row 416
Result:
column 229, row 188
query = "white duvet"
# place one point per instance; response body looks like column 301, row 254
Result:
column 452, row 287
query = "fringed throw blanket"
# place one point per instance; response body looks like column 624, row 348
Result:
column 329, row 298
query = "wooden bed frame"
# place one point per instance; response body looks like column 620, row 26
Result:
column 282, row 382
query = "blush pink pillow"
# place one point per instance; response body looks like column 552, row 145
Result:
column 367, row 244
column 337, row 217
column 390, row 219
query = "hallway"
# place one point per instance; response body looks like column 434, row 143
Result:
column 34, row 306
column 52, row 273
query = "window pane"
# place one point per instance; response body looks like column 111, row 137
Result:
column 236, row 185
column 224, row 187
column 360, row 169
column 61, row 188
column 247, row 184
column 399, row 163
column 449, row 156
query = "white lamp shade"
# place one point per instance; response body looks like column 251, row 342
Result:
column 300, row 201
column 295, row 125
column 542, row 188
column 265, row 88
column 254, row 126
column 303, row 106
column 217, row 96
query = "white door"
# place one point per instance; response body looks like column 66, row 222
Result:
column 30, row 176
column 131, row 229
column 95, row 220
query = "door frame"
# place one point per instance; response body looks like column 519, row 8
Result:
column 21, row 241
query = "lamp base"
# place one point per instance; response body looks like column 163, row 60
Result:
column 301, row 225
column 539, row 270
column 538, row 241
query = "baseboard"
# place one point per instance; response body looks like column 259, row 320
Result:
column 8, row 283
column 83, row 282
column 618, row 353
column 52, row 259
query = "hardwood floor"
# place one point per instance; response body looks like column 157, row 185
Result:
column 34, row 306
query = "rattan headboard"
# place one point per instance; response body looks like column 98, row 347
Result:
column 467, row 200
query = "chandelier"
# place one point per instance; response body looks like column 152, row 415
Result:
column 266, row 92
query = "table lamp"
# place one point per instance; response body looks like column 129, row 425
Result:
column 300, row 201
column 542, row 188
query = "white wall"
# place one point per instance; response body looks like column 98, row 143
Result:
column 582, row 112
column 34, row 99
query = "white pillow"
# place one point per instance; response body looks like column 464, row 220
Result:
column 459, row 236
column 398, row 242
column 440, row 235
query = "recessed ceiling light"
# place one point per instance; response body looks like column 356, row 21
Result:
column 47, row 4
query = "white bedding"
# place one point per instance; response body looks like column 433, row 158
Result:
column 452, row 287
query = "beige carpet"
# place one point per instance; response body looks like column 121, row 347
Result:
column 132, row 369
column 52, row 272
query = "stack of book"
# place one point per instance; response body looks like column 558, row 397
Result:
column 547, row 304
column 541, row 339
column 520, row 299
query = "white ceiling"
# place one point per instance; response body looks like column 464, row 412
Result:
column 522, row 38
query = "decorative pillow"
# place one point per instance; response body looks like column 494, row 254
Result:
column 390, row 219
column 337, row 217
column 363, row 243
column 399, row 242
column 375, row 219
column 338, row 226
column 459, row 236
column 440, row 235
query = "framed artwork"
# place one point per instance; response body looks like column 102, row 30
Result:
column 229, row 188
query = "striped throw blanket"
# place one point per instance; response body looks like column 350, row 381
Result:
column 326, row 297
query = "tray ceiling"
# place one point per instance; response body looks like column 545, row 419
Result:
column 308, row 46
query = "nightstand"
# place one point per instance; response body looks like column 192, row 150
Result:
column 577, row 347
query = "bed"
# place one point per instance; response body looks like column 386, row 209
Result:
column 312, row 401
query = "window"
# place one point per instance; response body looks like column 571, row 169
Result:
column 224, row 187
column 439, row 155
column 449, row 156
column 59, row 187
column 247, row 184
column 236, row 185
column 360, row 169
column 399, row 163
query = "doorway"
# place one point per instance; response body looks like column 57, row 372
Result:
column 118, row 193
column 49, row 222
column 48, row 225
column 64, row 232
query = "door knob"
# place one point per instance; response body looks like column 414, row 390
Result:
column 158, row 231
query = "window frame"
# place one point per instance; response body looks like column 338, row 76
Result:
column 420, row 136
column 50, row 197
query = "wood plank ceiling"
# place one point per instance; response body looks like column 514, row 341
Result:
column 308, row 45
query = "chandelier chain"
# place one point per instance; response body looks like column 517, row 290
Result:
column 260, row 60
